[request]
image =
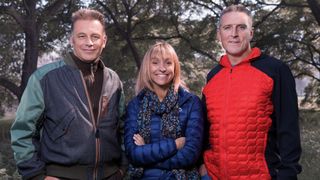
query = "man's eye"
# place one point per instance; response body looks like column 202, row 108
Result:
column 226, row 28
column 242, row 27
column 95, row 37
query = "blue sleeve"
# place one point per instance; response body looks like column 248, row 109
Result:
column 287, row 125
column 149, row 153
column 189, row 154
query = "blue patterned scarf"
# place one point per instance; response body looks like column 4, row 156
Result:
column 168, row 109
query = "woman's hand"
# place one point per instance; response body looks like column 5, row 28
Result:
column 180, row 142
column 202, row 170
column 138, row 140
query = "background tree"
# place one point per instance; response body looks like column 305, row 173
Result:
column 132, row 25
column 286, row 29
column 29, row 29
column 31, row 26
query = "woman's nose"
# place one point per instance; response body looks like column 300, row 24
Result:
column 162, row 68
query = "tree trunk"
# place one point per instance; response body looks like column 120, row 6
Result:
column 31, row 55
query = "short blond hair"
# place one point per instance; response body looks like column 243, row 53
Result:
column 160, row 49
column 88, row 14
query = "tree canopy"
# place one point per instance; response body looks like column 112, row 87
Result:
column 286, row 29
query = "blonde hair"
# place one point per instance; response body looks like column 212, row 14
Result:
column 159, row 49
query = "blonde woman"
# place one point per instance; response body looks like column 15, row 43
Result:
column 164, row 124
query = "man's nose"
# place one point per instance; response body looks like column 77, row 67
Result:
column 89, row 42
column 234, row 31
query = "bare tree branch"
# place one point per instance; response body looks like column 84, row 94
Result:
column 125, row 33
column 49, row 10
column 206, row 6
column 263, row 19
column 11, row 11
column 10, row 86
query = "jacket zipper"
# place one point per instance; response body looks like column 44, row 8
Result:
column 97, row 134
column 224, row 125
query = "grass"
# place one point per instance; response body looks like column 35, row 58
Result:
column 310, row 140
column 7, row 163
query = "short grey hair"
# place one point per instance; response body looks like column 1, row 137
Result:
column 235, row 8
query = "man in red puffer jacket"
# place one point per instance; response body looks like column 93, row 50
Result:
column 251, row 106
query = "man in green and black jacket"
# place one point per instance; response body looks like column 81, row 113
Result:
column 68, row 121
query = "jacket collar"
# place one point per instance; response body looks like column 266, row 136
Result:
column 225, row 62
column 69, row 60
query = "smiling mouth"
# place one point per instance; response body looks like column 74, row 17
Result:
column 88, row 50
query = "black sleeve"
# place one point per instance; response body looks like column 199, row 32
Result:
column 287, row 124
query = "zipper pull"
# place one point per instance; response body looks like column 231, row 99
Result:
column 92, row 74
column 231, row 70
column 97, row 133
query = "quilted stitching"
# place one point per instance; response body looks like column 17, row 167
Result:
column 239, row 108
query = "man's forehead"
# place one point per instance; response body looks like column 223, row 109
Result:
column 235, row 18
column 234, row 24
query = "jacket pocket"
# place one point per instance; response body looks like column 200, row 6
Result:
column 62, row 128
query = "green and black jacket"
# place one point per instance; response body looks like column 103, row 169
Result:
column 55, row 132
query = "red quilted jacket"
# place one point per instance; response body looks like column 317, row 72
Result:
column 239, row 105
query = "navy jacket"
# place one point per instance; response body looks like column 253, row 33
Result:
column 161, row 156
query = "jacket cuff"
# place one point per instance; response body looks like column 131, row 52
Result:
column 279, row 177
column 40, row 176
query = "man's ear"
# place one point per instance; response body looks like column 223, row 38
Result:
column 71, row 40
column 251, row 33
column 105, row 41
column 218, row 37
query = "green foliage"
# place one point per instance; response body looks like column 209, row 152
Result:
column 285, row 30
column 46, row 30
column 11, row 45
